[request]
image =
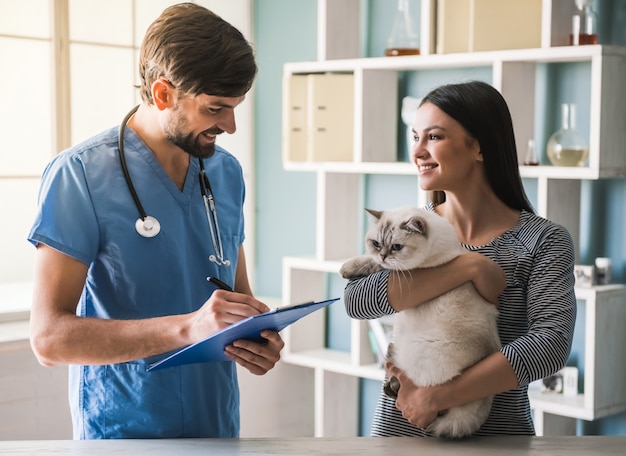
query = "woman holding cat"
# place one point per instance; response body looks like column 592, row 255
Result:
column 464, row 150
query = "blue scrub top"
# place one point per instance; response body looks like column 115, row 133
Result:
column 87, row 212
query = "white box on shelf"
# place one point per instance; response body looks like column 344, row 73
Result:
column 487, row 25
column 318, row 117
column 570, row 381
column 295, row 129
column 330, row 117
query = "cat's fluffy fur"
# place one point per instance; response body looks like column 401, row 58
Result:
column 433, row 342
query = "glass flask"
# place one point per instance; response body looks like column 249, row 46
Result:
column 531, row 155
column 567, row 147
column 403, row 39
column 584, row 25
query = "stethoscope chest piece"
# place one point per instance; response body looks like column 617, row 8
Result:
column 148, row 227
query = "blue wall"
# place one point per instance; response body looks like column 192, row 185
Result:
column 285, row 31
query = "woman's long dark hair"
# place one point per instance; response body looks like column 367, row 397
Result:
column 483, row 112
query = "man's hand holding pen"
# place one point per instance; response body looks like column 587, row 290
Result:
column 225, row 307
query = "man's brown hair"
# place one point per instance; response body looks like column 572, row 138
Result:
column 197, row 52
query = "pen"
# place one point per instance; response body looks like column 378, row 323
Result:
column 219, row 284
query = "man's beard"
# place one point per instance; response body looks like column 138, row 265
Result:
column 191, row 144
column 175, row 133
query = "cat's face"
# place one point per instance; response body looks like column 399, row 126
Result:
column 407, row 238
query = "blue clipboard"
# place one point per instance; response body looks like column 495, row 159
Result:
column 212, row 348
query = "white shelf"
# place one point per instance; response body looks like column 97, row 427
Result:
column 583, row 406
column 558, row 404
column 569, row 172
column 605, row 314
column 334, row 361
column 16, row 301
column 401, row 168
column 604, row 367
column 513, row 73
column 310, row 263
column 376, row 118
column 597, row 291
column 408, row 169
column 558, row 54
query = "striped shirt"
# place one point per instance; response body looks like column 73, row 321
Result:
column 536, row 321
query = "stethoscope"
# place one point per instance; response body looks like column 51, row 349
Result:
column 148, row 226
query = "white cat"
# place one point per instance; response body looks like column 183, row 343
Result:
column 433, row 342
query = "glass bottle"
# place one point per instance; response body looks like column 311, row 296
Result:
column 567, row 147
column 603, row 270
column 584, row 25
column 402, row 39
column 531, row 154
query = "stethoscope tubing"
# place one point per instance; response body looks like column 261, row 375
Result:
column 209, row 207
column 148, row 226
column 122, row 154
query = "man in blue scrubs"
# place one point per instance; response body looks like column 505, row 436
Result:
column 109, row 295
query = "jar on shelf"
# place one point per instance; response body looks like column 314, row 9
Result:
column 403, row 39
column 603, row 270
column 409, row 109
column 567, row 147
column 531, row 154
column 584, row 25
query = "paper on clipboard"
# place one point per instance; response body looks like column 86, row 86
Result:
column 212, row 348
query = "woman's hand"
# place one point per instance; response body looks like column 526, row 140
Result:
column 416, row 403
column 487, row 276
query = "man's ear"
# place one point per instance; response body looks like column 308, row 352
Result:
column 163, row 94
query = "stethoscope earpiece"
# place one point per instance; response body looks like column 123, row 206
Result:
column 148, row 227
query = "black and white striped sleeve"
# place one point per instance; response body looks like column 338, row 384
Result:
column 365, row 298
column 551, row 305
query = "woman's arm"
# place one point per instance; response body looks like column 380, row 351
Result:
column 420, row 406
column 551, row 310
column 542, row 349
column 386, row 292
column 408, row 289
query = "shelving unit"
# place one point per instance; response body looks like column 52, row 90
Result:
column 339, row 192
column 604, row 368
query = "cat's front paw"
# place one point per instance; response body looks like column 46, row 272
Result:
column 348, row 269
column 359, row 267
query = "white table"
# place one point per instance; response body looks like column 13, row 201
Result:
column 390, row 446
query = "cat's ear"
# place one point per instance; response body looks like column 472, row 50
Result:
column 375, row 214
column 416, row 225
